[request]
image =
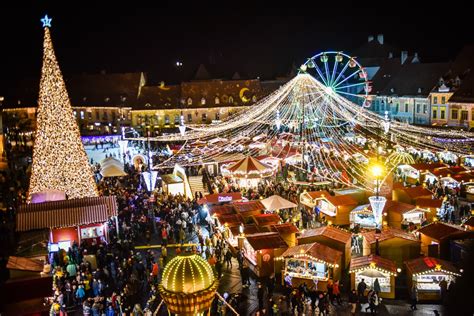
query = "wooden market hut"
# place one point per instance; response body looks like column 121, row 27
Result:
column 335, row 208
column 409, row 195
column 312, row 264
column 265, row 221
column 287, row 231
column 426, row 272
column 374, row 267
column 432, row 207
column 330, row 236
column 260, row 249
column 399, row 214
column 435, row 238
column 248, row 209
column 394, row 244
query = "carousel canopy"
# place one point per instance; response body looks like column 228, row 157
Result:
column 250, row 167
column 276, row 202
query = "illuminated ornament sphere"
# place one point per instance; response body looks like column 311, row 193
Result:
column 188, row 285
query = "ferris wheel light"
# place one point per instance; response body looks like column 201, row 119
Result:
column 303, row 67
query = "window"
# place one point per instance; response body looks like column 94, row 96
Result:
column 464, row 115
column 435, row 100
column 176, row 120
column 397, row 108
column 204, row 117
column 167, row 119
column 418, row 108
column 442, row 114
column 190, row 101
column 106, row 115
column 231, row 99
column 203, row 101
column 443, row 100
column 190, row 118
column 74, row 113
column 406, row 107
column 454, row 114
column 434, row 113
column 425, row 108
column 82, row 115
column 114, row 115
column 97, row 115
column 216, row 100
column 218, row 116
column 89, row 114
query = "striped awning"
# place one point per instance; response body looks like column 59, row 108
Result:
column 65, row 213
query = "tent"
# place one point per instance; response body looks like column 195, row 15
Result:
column 276, row 202
column 112, row 168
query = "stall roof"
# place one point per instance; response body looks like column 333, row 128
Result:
column 398, row 207
column 469, row 221
column 286, row 228
column 415, row 192
column 225, row 209
column 427, row 166
column 338, row 200
column 230, row 219
column 428, row 203
column 388, row 233
column 171, row 179
column 316, row 250
column 24, row 264
column 268, row 240
column 330, row 232
column 464, row 177
column 360, row 263
column 248, row 229
column 221, row 198
column 65, row 213
column 439, row 230
column 430, row 264
column 248, row 207
column 266, row 219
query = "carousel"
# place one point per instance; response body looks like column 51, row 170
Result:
column 188, row 285
column 249, row 171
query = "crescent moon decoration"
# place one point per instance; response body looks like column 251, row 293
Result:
column 162, row 86
column 242, row 96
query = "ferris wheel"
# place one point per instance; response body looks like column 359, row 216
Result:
column 342, row 74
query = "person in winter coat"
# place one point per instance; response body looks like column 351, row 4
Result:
column 414, row 298
column 353, row 299
column 80, row 293
column 337, row 292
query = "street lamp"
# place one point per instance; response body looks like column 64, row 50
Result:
column 377, row 202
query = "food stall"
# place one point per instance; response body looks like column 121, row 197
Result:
column 336, row 208
column 371, row 268
column 260, row 249
column 426, row 273
column 362, row 216
column 313, row 264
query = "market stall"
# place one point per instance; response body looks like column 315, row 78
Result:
column 335, row 208
column 468, row 161
column 426, row 273
column 363, row 217
column 260, row 250
column 371, row 268
column 313, row 264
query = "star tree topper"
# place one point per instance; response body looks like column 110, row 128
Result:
column 46, row 21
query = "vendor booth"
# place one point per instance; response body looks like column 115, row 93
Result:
column 260, row 249
column 434, row 238
column 469, row 189
column 468, row 161
column 363, row 217
column 426, row 273
column 313, row 264
column 371, row 268
column 334, row 208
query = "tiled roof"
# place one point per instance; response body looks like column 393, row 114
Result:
column 286, row 228
column 221, row 209
column 248, row 229
column 230, row 219
column 394, row 206
column 388, row 233
column 465, row 93
column 266, row 219
column 367, row 261
column 316, row 250
column 438, row 230
column 248, row 207
column 428, row 203
column 159, row 97
column 417, row 191
column 269, row 240
column 330, row 232
column 425, row 264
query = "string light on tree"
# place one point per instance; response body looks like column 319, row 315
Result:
column 59, row 160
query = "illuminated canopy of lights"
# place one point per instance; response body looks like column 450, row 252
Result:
column 336, row 138
column 59, row 160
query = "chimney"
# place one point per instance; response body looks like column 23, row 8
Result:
column 403, row 56
column 380, row 39
column 370, row 39
column 390, row 55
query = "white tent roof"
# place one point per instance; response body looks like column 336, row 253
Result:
column 110, row 160
column 112, row 170
column 276, row 202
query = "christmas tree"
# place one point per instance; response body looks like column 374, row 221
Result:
column 59, row 160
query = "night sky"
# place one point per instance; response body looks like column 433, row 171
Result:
column 254, row 40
